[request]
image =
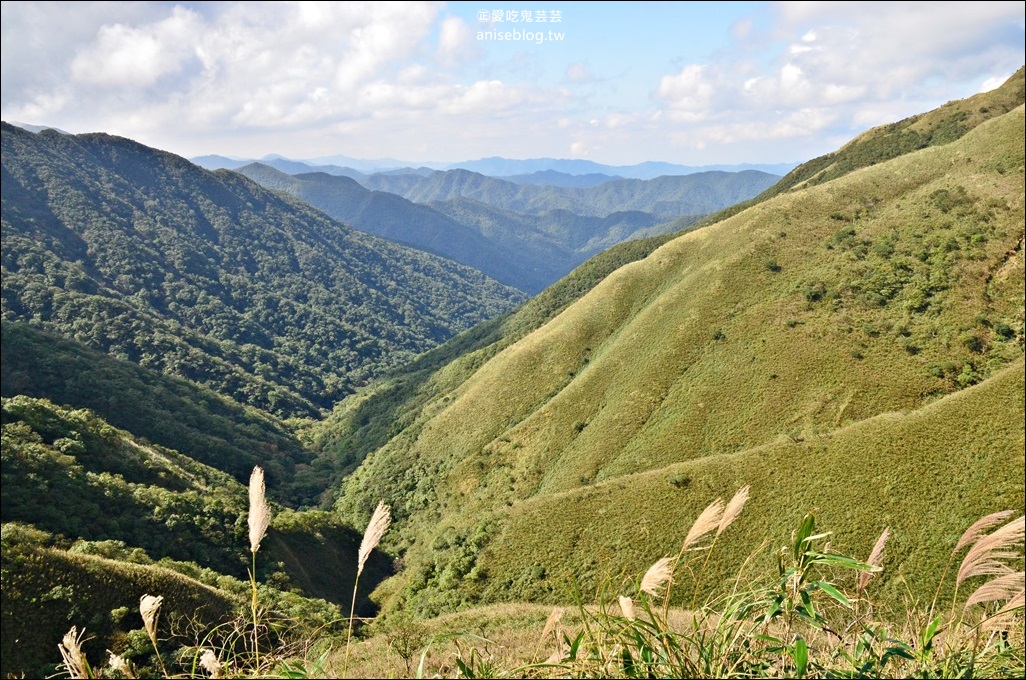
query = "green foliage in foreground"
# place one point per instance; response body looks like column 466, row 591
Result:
column 813, row 613
column 74, row 487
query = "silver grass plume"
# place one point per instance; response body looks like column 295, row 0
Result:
column 979, row 527
column 551, row 623
column 259, row 513
column 1002, row 588
column 208, row 662
column 875, row 558
column 376, row 528
column 149, row 608
column 627, row 607
column 706, row 522
column 657, row 576
column 118, row 663
column 1005, row 617
column 71, row 651
column 988, row 555
column 733, row 509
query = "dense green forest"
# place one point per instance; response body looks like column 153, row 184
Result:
column 166, row 410
column 142, row 255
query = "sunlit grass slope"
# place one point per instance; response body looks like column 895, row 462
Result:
column 880, row 291
column 927, row 474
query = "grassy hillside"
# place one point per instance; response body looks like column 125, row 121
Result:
column 880, row 291
column 366, row 421
column 363, row 424
column 207, row 276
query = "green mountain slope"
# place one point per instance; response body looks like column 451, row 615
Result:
column 559, row 239
column 169, row 411
column 393, row 217
column 140, row 254
column 527, row 250
column 879, row 291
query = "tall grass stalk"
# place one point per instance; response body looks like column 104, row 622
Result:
column 259, row 518
column 149, row 609
column 730, row 513
column 376, row 528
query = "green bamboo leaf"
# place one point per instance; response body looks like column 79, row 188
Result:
column 804, row 531
column 801, row 657
column 834, row 593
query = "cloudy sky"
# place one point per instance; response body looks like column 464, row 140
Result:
column 618, row 83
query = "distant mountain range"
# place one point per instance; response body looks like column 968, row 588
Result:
column 666, row 197
column 546, row 171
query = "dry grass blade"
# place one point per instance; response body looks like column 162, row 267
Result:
column 376, row 528
column 706, row 522
column 986, row 557
column 149, row 608
column 980, row 527
column 1002, row 588
column 875, row 558
column 657, row 576
column 259, row 513
column 71, row 651
column 733, row 509
column 551, row 623
column 627, row 607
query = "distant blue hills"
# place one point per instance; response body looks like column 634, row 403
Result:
column 543, row 171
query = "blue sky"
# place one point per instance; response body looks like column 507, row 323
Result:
column 619, row 83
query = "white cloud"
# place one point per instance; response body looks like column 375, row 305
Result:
column 579, row 150
column 256, row 66
column 837, row 68
column 688, row 95
column 993, row 82
column 391, row 77
column 127, row 57
column 455, row 42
